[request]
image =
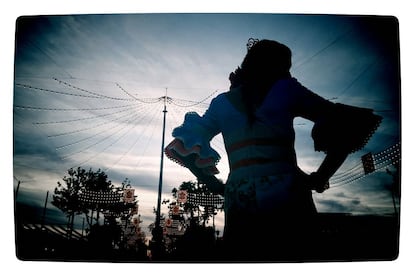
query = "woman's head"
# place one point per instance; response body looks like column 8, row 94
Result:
column 266, row 61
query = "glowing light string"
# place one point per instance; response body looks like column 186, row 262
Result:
column 383, row 159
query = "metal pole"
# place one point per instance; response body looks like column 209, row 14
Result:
column 17, row 189
column 83, row 226
column 158, row 218
column 44, row 210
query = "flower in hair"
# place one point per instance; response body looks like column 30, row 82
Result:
column 251, row 42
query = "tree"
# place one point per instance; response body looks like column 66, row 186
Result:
column 91, row 193
column 198, row 240
column 203, row 214
column 66, row 194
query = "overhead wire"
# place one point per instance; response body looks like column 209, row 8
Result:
column 93, row 135
column 381, row 160
column 181, row 102
column 99, row 141
column 150, row 137
column 70, row 109
column 45, row 90
column 357, row 78
column 90, row 92
column 83, row 118
column 138, row 138
column 91, row 127
column 323, row 49
column 115, row 141
column 47, row 55
column 347, row 174
column 132, row 97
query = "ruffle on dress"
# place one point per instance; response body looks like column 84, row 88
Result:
column 346, row 128
column 191, row 147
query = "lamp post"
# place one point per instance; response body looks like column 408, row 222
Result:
column 157, row 232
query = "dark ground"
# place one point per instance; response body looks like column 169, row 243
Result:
column 341, row 237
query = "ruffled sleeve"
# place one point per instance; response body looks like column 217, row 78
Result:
column 346, row 128
column 191, row 145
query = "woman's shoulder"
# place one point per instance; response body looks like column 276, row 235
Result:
column 218, row 99
column 233, row 97
column 223, row 96
column 289, row 83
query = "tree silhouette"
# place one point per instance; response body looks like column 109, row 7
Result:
column 198, row 240
column 87, row 192
column 190, row 187
column 67, row 193
column 204, row 214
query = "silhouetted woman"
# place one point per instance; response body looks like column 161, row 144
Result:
column 269, row 210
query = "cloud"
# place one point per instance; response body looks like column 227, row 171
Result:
column 342, row 203
column 329, row 205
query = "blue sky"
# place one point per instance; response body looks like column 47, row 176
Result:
column 87, row 87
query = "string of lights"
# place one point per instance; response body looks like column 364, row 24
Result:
column 70, row 109
column 39, row 89
column 99, row 116
column 95, row 125
column 142, row 100
column 347, row 173
column 387, row 157
column 138, row 109
column 182, row 103
column 90, row 92
column 371, row 163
